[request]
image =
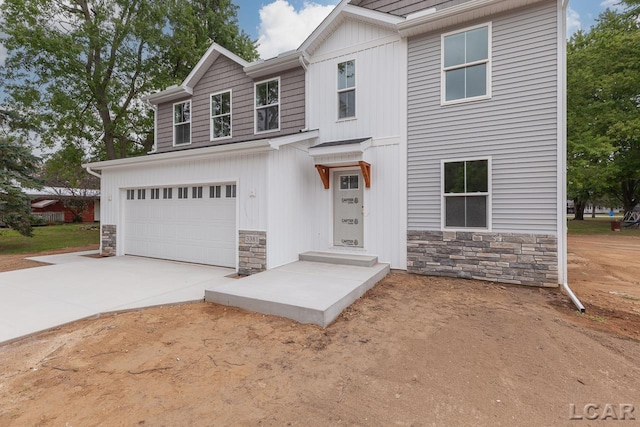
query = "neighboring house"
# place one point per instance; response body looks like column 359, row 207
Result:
column 49, row 204
column 429, row 133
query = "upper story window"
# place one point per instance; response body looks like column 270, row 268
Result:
column 347, row 89
column 267, row 115
column 466, row 194
column 466, row 64
column 182, row 123
column 221, row 115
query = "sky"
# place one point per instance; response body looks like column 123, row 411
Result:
column 282, row 25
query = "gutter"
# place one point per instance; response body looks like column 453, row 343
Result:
column 92, row 172
column 562, row 151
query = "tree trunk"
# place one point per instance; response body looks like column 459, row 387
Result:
column 593, row 210
column 630, row 194
column 578, row 206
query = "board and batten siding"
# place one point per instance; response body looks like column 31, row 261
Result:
column 224, row 75
column 517, row 127
column 247, row 171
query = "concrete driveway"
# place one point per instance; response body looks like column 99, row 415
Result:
column 77, row 287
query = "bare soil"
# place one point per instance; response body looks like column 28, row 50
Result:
column 20, row 261
column 414, row 350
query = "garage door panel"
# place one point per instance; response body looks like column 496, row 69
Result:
column 192, row 230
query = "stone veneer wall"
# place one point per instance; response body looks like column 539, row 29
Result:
column 252, row 252
column 522, row 259
column 108, row 239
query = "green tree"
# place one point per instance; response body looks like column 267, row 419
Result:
column 80, row 68
column 603, row 118
column 17, row 168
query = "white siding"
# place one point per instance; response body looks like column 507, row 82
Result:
column 248, row 171
column 517, row 127
column 381, row 77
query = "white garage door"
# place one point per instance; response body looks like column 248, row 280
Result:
column 187, row 223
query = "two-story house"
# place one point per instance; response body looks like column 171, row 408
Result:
column 429, row 133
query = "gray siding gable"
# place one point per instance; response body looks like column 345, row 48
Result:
column 517, row 127
column 225, row 74
column 406, row 7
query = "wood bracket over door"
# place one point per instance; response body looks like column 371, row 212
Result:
column 365, row 167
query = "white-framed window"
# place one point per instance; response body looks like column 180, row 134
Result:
column 349, row 182
column 182, row 123
column 142, row 193
column 183, row 192
column 167, row 193
column 215, row 192
column 155, row 193
column 131, row 194
column 267, row 105
column 230, row 190
column 196, row 192
column 347, row 89
column 466, row 64
column 466, row 193
column 221, row 115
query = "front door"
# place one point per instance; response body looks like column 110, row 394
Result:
column 347, row 209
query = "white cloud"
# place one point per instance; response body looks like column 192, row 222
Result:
column 613, row 4
column 282, row 28
column 573, row 22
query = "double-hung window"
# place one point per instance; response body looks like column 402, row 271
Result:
column 267, row 104
column 466, row 64
column 466, row 193
column 221, row 115
column 347, row 89
column 182, row 123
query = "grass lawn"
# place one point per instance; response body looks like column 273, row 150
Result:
column 49, row 237
column 598, row 225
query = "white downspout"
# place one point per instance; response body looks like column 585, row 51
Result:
column 92, row 172
column 155, row 127
column 562, row 154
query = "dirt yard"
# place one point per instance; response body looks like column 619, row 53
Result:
column 413, row 351
column 19, row 261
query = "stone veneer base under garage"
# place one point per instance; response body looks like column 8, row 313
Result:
column 252, row 251
column 522, row 259
column 108, row 240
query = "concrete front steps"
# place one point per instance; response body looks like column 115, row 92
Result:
column 315, row 289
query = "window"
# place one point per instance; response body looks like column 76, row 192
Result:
column 183, row 192
column 214, row 192
column 155, row 193
column 182, row 123
column 347, row 89
column 221, row 115
column 231, row 190
column 141, row 194
column 196, row 192
column 267, row 95
column 349, row 182
column 167, row 193
column 466, row 193
column 131, row 194
column 466, row 65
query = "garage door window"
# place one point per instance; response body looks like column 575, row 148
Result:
column 167, row 193
column 183, row 192
column 142, row 194
column 196, row 193
column 231, row 191
column 131, row 194
column 214, row 192
column 155, row 193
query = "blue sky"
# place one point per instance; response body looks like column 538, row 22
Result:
column 297, row 14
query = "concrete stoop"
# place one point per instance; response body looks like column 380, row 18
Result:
column 306, row 291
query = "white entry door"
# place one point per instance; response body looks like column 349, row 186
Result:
column 348, row 224
column 182, row 223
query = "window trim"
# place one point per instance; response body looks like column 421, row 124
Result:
column 347, row 89
column 256, row 108
column 173, row 114
column 488, row 194
column 230, row 114
column 488, row 61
